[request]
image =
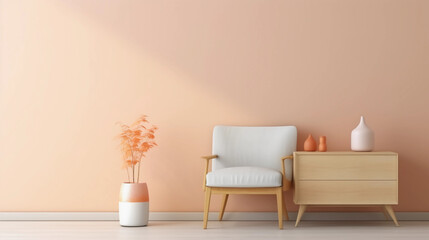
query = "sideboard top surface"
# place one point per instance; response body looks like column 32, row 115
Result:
column 345, row 153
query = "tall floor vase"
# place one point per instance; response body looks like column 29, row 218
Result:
column 133, row 205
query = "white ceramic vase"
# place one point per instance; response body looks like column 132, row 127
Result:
column 362, row 137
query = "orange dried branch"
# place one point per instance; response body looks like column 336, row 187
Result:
column 135, row 140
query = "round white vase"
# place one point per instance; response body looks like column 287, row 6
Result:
column 362, row 139
column 134, row 205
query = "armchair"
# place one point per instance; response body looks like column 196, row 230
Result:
column 250, row 160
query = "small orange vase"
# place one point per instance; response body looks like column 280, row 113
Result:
column 310, row 144
column 322, row 144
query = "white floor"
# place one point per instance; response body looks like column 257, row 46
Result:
column 63, row 230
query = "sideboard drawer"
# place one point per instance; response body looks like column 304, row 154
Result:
column 347, row 167
column 346, row 192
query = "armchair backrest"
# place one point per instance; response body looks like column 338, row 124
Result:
column 254, row 146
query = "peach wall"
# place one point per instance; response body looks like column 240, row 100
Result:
column 71, row 69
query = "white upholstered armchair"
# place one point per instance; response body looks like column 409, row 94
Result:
column 250, row 160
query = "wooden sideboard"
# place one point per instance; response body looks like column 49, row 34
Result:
column 346, row 178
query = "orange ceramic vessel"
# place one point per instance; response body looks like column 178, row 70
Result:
column 310, row 144
column 134, row 192
column 322, row 144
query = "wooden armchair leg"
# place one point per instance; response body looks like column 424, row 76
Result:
column 280, row 203
column 222, row 209
column 285, row 213
column 206, row 206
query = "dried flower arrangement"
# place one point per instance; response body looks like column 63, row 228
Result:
column 136, row 140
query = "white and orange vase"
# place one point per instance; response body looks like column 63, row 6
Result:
column 133, row 205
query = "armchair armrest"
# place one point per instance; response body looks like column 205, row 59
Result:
column 207, row 158
column 287, row 157
column 286, row 182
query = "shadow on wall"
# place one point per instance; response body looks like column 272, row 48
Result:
column 268, row 64
column 257, row 58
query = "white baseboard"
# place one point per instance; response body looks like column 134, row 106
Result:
column 198, row 216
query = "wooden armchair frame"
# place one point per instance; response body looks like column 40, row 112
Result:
column 225, row 191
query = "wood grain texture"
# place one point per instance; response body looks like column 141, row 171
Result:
column 347, row 167
column 225, row 191
column 300, row 213
column 280, row 203
column 389, row 210
column 346, row 178
column 222, row 208
column 286, row 183
column 346, row 192
column 206, row 207
column 207, row 166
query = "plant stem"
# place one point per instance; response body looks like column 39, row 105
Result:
column 132, row 155
column 138, row 173
column 128, row 174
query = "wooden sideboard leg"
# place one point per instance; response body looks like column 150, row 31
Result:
column 392, row 214
column 300, row 213
column 386, row 215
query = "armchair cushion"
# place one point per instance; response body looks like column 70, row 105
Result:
column 254, row 147
column 244, row 177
